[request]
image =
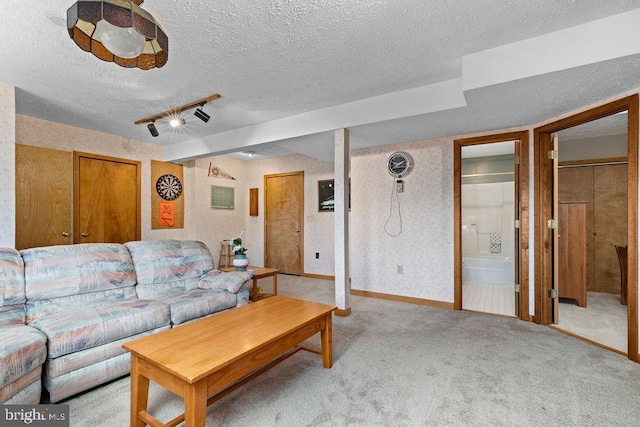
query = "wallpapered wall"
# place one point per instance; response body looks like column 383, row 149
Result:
column 318, row 226
column 7, row 160
column 214, row 225
column 425, row 247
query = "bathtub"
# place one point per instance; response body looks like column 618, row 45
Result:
column 488, row 269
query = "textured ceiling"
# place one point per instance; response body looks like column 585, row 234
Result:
column 273, row 59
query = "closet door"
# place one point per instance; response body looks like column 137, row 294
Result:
column 106, row 199
column 610, row 224
column 43, row 197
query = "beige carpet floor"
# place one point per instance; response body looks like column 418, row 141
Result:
column 399, row 364
column 603, row 320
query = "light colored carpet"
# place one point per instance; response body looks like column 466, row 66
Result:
column 398, row 364
column 603, row 320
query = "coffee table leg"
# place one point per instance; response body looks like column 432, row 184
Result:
column 275, row 284
column 195, row 404
column 139, row 392
column 327, row 342
column 254, row 291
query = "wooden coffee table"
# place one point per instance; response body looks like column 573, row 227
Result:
column 216, row 355
column 259, row 273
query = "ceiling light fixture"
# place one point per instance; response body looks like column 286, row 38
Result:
column 177, row 122
column 201, row 114
column 152, row 128
column 174, row 114
column 118, row 31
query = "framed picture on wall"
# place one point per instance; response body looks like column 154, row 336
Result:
column 222, row 197
column 326, row 196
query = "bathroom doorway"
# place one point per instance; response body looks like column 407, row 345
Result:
column 488, row 198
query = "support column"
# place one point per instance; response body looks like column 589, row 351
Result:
column 8, row 170
column 341, row 222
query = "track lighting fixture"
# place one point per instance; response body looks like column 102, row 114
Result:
column 152, row 128
column 177, row 122
column 201, row 114
column 174, row 115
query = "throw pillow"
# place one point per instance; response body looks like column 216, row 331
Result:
column 230, row 282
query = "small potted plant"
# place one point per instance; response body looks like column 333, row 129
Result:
column 240, row 261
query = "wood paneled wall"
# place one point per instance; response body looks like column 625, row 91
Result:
column 604, row 189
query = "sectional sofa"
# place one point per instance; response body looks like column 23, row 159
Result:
column 65, row 311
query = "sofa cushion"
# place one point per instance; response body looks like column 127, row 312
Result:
column 12, row 297
column 230, row 282
column 71, row 270
column 76, row 327
column 196, row 303
column 22, row 349
column 165, row 264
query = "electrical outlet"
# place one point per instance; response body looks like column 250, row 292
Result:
column 399, row 269
column 317, row 255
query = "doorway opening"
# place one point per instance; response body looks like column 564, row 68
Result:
column 608, row 189
column 491, row 224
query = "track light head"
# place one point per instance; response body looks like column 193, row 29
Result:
column 177, row 122
column 201, row 114
column 152, row 128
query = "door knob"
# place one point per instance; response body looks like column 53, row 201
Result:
column 297, row 231
column 85, row 235
column 65, row 234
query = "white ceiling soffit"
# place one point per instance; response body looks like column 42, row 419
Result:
column 405, row 103
column 489, row 71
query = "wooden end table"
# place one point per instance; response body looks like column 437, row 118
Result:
column 216, row 355
column 259, row 273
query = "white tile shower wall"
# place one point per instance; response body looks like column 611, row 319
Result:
column 488, row 208
column 318, row 226
column 42, row 133
column 425, row 247
column 7, row 160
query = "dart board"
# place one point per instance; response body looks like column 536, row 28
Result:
column 169, row 187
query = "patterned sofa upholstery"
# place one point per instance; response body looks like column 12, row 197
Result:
column 174, row 271
column 22, row 348
column 83, row 299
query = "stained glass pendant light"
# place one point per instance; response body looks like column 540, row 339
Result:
column 118, row 31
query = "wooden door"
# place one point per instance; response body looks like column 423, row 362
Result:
column 610, row 224
column 43, row 197
column 572, row 252
column 576, row 185
column 516, row 231
column 106, row 199
column 284, row 220
column 555, row 314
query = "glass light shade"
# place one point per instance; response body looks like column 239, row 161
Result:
column 112, row 31
column 123, row 42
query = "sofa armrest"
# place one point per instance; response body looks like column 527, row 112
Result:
column 230, row 282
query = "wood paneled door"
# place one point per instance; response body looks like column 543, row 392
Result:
column 284, row 220
column 44, row 181
column 106, row 199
